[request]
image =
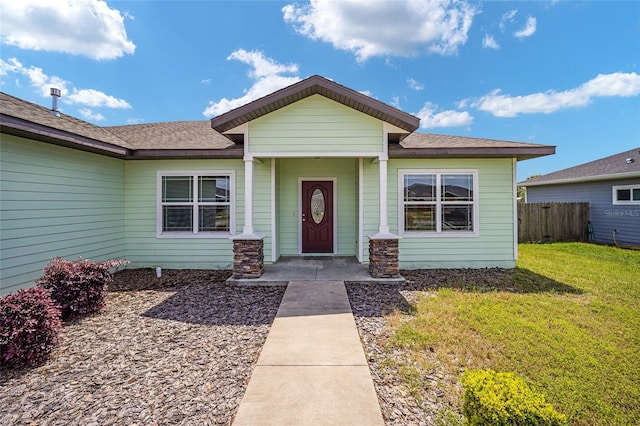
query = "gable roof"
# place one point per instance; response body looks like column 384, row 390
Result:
column 311, row 86
column 197, row 139
column 623, row 165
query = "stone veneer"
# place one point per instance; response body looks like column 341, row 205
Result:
column 383, row 258
column 248, row 258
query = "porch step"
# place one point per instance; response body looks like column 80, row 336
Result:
column 312, row 369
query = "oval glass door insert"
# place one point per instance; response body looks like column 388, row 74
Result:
column 317, row 206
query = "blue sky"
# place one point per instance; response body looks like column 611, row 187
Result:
column 562, row 73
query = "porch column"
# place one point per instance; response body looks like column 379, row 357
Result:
column 248, row 247
column 248, row 196
column 383, row 227
column 383, row 246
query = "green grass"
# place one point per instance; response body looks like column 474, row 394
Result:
column 567, row 319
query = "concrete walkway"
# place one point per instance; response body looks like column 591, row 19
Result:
column 312, row 369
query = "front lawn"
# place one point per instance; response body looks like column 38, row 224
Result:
column 567, row 320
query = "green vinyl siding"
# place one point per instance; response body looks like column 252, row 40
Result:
column 345, row 170
column 56, row 201
column 143, row 248
column 315, row 124
column 370, row 204
column 262, row 204
column 494, row 245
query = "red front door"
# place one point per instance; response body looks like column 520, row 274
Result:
column 317, row 216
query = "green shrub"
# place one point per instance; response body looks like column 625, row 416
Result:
column 503, row 399
column 78, row 287
column 29, row 327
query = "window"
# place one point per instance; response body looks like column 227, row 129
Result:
column 198, row 204
column 626, row 194
column 438, row 202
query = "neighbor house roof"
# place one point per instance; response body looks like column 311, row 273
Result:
column 623, row 165
column 311, row 86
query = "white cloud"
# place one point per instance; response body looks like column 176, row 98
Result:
column 70, row 95
column 267, row 76
column 95, row 98
column 528, row 29
column 430, row 118
column 88, row 27
column 415, row 85
column 603, row 85
column 383, row 27
column 489, row 42
column 36, row 76
column 507, row 17
column 205, row 81
column 90, row 115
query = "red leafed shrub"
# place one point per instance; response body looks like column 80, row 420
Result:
column 29, row 327
column 78, row 286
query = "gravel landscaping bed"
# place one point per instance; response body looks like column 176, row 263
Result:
column 180, row 349
column 174, row 350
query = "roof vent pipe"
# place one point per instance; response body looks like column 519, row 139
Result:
column 55, row 94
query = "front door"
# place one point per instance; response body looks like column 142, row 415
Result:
column 317, row 217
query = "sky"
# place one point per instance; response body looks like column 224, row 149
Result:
column 561, row 73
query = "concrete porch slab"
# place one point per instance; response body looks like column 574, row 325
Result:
column 314, row 268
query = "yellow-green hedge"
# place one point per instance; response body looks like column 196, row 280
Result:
column 504, row 399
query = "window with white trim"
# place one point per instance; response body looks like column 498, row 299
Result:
column 438, row 202
column 626, row 194
column 195, row 204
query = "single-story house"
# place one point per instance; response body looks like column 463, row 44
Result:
column 314, row 168
column 610, row 185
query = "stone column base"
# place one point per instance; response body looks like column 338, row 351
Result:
column 248, row 258
column 383, row 258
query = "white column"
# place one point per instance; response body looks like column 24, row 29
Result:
column 383, row 227
column 248, row 196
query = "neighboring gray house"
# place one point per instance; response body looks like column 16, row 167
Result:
column 611, row 185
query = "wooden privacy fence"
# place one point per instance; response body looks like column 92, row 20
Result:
column 550, row 222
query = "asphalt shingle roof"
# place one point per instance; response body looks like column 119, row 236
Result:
column 187, row 138
column 172, row 135
column 623, row 164
column 432, row 145
column 21, row 109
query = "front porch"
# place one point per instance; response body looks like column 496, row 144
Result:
column 314, row 268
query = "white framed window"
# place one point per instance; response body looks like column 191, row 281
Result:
column 195, row 204
column 438, row 203
column 626, row 194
